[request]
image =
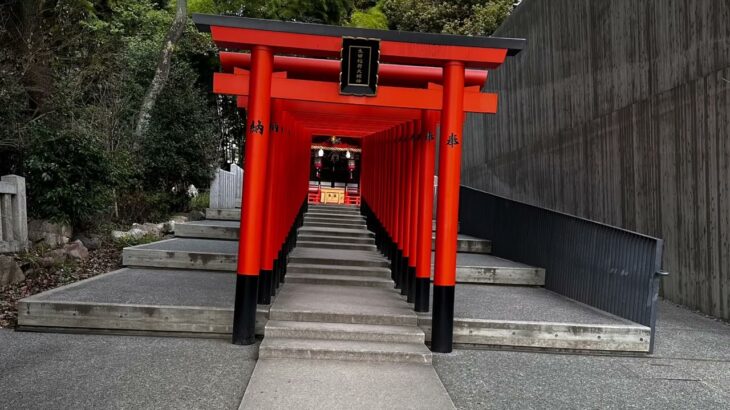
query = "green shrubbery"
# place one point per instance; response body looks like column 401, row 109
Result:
column 72, row 78
column 73, row 75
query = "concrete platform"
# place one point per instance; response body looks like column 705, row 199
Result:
column 140, row 300
column 200, row 303
column 534, row 317
column 332, row 384
column 488, row 269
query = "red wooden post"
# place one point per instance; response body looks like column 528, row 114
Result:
column 425, row 213
column 447, row 218
column 249, row 245
column 407, row 184
column 413, row 234
column 270, row 213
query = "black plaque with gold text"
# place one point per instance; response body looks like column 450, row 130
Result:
column 359, row 66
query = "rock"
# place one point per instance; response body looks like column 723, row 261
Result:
column 196, row 216
column 149, row 228
column 169, row 226
column 76, row 250
column 134, row 233
column 91, row 242
column 50, row 233
column 10, row 271
column 53, row 258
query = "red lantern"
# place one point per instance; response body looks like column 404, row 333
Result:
column 318, row 165
column 351, row 166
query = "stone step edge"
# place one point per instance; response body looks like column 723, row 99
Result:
column 335, row 317
column 547, row 335
column 43, row 313
column 35, row 314
column 344, row 350
column 335, row 245
column 344, row 331
column 366, row 271
column 338, row 239
column 340, row 280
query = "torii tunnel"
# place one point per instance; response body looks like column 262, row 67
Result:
column 400, row 97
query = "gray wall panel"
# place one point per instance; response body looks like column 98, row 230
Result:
column 619, row 111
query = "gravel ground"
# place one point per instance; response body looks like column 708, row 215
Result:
column 105, row 259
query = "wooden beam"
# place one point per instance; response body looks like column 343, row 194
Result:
column 317, row 91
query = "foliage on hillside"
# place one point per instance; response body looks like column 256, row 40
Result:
column 73, row 74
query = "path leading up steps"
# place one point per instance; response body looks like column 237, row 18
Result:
column 339, row 335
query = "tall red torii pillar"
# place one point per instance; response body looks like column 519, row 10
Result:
column 453, row 53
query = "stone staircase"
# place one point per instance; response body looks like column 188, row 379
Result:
column 336, row 282
column 338, row 302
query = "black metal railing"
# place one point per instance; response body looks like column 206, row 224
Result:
column 603, row 266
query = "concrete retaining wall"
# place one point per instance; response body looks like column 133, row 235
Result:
column 619, row 111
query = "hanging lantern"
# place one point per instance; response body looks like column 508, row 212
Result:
column 318, row 165
column 351, row 166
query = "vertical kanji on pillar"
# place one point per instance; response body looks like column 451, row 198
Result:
column 249, row 246
column 447, row 213
column 425, row 213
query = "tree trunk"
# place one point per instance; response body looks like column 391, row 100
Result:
column 163, row 68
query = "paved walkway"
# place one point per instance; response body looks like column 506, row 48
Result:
column 690, row 369
column 334, row 343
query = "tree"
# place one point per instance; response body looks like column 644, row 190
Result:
column 309, row 11
column 466, row 17
column 163, row 67
column 372, row 17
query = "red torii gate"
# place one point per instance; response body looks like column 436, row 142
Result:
column 399, row 123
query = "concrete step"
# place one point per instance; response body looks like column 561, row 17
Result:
column 316, row 237
column 337, row 222
column 334, row 216
column 488, row 269
column 330, row 224
column 223, row 214
column 184, row 253
column 302, row 302
column 468, row 244
column 336, row 232
column 327, row 269
column 209, row 229
column 335, row 245
column 344, row 331
column 344, row 350
column 133, row 300
column 337, row 257
column 340, row 280
column 335, row 210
